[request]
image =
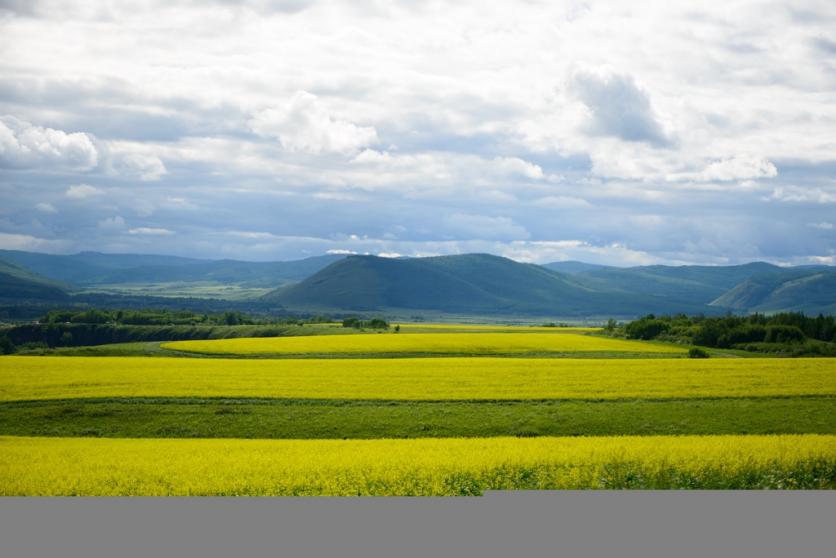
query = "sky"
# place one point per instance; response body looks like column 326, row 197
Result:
column 622, row 133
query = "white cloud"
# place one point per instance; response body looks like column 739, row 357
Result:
column 82, row 191
column 519, row 167
column 372, row 156
column 138, row 165
column 306, row 124
column 10, row 241
column 802, row 195
column 150, row 231
column 824, row 226
column 617, row 106
column 738, row 167
column 45, row 207
column 415, row 113
column 339, row 251
column 26, row 146
column 562, row 250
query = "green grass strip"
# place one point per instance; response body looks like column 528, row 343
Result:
column 154, row 349
column 319, row 419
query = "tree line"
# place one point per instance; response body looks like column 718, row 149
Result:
column 75, row 328
column 787, row 332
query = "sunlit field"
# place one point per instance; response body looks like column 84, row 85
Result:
column 97, row 467
column 407, row 328
column 443, row 411
column 426, row 343
column 30, row 378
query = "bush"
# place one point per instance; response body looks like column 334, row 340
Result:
column 646, row 328
column 789, row 333
column 743, row 334
column 375, row 323
column 784, row 334
column 697, row 352
column 709, row 333
column 6, row 346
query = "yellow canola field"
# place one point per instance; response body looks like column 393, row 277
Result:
column 494, row 327
column 33, row 377
column 162, row 467
column 428, row 343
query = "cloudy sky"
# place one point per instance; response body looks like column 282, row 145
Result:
column 612, row 132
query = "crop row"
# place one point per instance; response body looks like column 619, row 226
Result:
column 32, row 378
column 427, row 343
column 450, row 466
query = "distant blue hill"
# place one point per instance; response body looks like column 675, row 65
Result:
column 93, row 268
column 466, row 284
column 474, row 284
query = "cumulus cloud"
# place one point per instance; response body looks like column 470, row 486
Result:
column 26, row 146
column 519, row 167
column 410, row 128
column 138, row 165
column 82, row 191
column 306, row 124
column 740, row 167
column 618, row 107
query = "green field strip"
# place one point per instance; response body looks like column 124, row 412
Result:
column 318, row 419
column 154, row 349
column 37, row 378
column 31, row 466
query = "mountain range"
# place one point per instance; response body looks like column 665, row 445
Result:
column 469, row 284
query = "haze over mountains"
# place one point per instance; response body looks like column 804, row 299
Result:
column 471, row 284
column 88, row 269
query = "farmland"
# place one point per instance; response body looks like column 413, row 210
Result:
column 422, row 343
column 32, row 378
column 433, row 410
column 193, row 417
column 80, row 466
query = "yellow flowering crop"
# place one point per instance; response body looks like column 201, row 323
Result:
column 25, row 378
column 429, row 343
column 495, row 328
column 157, row 467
